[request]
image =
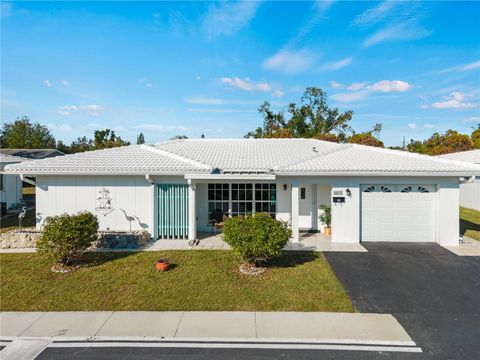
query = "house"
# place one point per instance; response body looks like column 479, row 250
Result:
column 33, row 154
column 170, row 188
column 10, row 184
column 469, row 188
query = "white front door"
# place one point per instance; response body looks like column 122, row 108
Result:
column 404, row 213
column 306, row 207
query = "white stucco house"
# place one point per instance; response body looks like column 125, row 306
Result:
column 10, row 184
column 170, row 188
column 469, row 188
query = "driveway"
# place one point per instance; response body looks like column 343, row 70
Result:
column 433, row 293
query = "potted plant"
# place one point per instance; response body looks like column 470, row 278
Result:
column 162, row 264
column 326, row 219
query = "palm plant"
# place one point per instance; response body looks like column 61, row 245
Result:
column 326, row 217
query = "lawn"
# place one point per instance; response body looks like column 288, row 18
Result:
column 470, row 223
column 200, row 280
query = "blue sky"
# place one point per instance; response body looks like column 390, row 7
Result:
column 197, row 68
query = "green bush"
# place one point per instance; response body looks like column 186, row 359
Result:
column 66, row 237
column 256, row 237
column 326, row 217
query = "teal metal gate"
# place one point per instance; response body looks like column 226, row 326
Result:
column 172, row 211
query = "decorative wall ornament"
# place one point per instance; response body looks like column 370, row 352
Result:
column 104, row 202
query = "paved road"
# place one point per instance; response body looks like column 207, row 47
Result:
column 433, row 293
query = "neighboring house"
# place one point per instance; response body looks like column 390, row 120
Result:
column 169, row 189
column 33, row 154
column 10, row 185
column 470, row 189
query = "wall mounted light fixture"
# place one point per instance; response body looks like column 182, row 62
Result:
column 349, row 192
column 285, row 187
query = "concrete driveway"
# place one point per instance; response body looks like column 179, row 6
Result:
column 432, row 292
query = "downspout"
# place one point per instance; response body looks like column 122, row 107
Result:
column 153, row 232
column 27, row 180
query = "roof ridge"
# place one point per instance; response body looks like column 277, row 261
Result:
column 197, row 163
column 418, row 156
column 340, row 147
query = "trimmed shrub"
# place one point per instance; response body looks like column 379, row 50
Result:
column 66, row 237
column 256, row 237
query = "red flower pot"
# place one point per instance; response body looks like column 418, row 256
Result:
column 162, row 264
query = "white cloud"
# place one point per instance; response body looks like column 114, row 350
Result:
column 227, row 18
column 461, row 68
column 336, row 65
column 350, row 96
column 278, row 93
column 245, row 84
column 290, row 61
column 429, row 126
column 317, row 14
column 360, row 91
column 204, row 100
column 65, row 83
column 473, row 118
column 335, row 85
column 91, row 110
column 456, row 100
column 356, row 86
column 47, row 83
column 376, row 13
column 386, row 86
column 412, row 126
column 403, row 31
column 197, row 77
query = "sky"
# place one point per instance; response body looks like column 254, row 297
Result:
column 193, row 68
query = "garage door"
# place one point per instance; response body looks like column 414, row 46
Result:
column 398, row 213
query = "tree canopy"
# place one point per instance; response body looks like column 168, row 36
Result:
column 23, row 134
column 438, row 144
column 309, row 119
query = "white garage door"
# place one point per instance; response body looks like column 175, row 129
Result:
column 398, row 213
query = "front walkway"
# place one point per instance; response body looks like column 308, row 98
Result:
column 308, row 242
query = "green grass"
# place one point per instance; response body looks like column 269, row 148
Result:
column 470, row 222
column 199, row 280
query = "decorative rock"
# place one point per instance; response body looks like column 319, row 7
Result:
column 16, row 239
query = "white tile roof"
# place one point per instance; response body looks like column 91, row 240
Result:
column 472, row 156
column 274, row 156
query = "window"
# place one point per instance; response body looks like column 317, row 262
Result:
column 266, row 198
column 302, row 193
column 385, row 189
column 1, row 182
column 369, row 189
column 422, row 189
column 242, row 199
column 218, row 197
column 407, row 189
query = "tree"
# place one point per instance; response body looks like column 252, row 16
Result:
column 367, row 137
column 310, row 119
column 476, row 137
column 82, row 144
column 438, row 144
column 107, row 138
column 178, row 137
column 22, row 134
column 140, row 139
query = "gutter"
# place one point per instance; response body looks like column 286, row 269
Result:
column 27, row 180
